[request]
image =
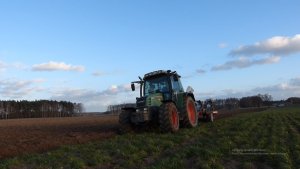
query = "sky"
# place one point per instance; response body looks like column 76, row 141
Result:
column 88, row 51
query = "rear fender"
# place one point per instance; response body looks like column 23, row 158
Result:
column 191, row 95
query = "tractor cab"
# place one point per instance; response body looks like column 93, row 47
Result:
column 158, row 87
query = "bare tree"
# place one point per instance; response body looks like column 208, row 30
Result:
column 38, row 108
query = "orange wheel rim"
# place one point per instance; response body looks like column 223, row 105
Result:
column 174, row 119
column 191, row 112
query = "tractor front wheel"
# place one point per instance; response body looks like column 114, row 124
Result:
column 124, row 120
column 168, row 118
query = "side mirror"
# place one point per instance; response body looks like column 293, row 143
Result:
column 132, row 87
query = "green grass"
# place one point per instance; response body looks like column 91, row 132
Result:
column 272, row 138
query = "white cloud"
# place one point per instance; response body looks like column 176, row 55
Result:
column 243, row 62
column 295, row 81
column 18, row 89
column 3, row 66
column 97, row 100
column 57, row 66
column 19, row 65
column 279, row 91
column 102, row 73
column 16, row 65
column 98, row 74
column 277, row 45
column 271, row 50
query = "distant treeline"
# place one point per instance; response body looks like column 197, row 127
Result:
column 259, row 100
column 40, row 108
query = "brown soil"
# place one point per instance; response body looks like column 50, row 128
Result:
column 21, row 136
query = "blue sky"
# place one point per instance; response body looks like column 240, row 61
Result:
column 90, row 51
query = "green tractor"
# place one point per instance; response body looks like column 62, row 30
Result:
column 162, row 102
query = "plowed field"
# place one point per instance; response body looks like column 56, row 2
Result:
column 21, row 136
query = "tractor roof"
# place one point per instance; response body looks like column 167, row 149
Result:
column 160, row 73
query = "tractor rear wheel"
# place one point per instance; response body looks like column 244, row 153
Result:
column 124, row 120
column 190, row 118
column 168, row 118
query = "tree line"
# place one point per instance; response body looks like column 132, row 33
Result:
column 245, row 102
column 38, row 109
column 259, row 100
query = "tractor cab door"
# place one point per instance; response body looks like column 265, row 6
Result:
column 178, row 93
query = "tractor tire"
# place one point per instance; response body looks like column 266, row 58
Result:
column 168, row 118
column 189, row 114
column 124, row 121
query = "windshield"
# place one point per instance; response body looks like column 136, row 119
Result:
column 156, row 85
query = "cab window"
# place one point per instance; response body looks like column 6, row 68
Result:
column 176, row 84
column 156, row 85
